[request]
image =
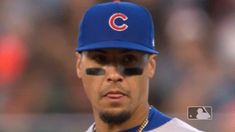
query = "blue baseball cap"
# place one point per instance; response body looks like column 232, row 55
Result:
column 117, row 25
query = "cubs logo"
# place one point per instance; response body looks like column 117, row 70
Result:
column 116, row 27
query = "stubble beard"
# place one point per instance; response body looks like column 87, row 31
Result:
column 115, row 118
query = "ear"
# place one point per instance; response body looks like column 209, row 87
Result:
column 152, row 65
column 78, row 64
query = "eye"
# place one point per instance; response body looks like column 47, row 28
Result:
column 128, row 60
column 99, row 58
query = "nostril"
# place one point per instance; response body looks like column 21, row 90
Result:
column 114, row 78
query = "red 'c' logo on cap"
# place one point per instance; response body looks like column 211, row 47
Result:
column 116, row 27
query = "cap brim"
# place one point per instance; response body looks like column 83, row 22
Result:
column 117, row 45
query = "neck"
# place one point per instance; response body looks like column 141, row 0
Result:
column 136, row 119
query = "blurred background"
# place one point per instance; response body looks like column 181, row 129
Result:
column 39, row 89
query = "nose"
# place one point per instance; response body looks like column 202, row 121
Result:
column 113, row 74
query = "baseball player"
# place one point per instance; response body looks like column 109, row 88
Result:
column 116, row 58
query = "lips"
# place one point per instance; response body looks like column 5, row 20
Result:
column 115, row 94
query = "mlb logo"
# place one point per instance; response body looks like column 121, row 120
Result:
column 199, row 113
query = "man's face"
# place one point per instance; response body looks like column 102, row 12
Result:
column 116, row 80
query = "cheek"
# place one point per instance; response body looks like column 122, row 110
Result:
column 91, row 83
column 87, row 86
column 139, row 88
column 91, row 86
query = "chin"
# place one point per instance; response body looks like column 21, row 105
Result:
column 115, row 115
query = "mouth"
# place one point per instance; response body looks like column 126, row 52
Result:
column 114, row 95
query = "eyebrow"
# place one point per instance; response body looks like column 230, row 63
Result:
column 126, row 51
column 100, row 51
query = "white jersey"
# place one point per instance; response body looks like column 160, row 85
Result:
column 175, row 125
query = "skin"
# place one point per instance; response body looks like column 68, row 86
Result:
column 134, row 89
